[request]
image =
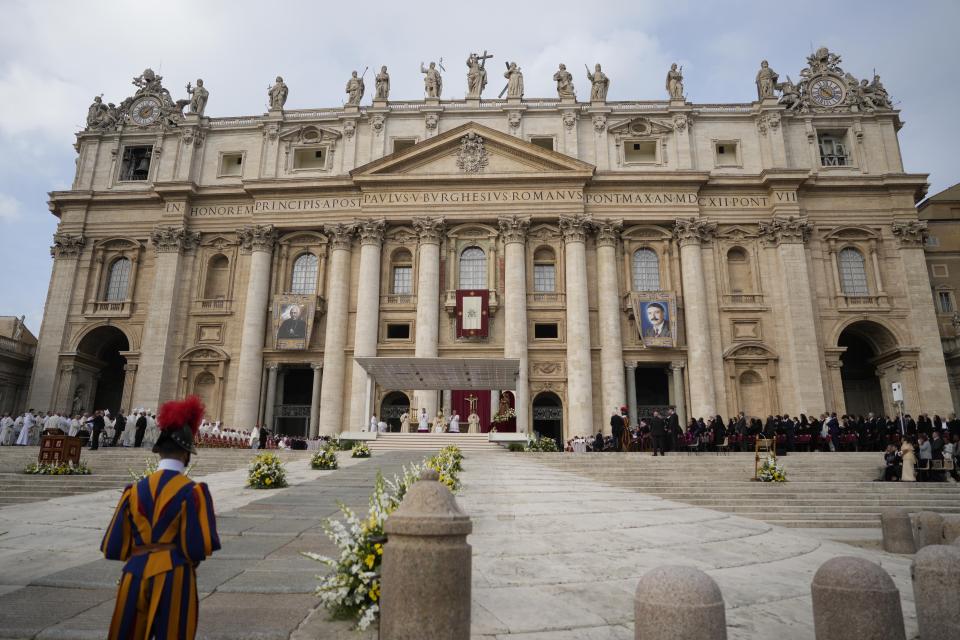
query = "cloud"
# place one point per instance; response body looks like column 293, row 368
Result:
column 9, row 208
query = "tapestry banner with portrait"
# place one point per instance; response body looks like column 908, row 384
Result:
column 293, row 321
column 656, row 316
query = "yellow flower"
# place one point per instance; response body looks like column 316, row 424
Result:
column 374, row 592
column 268, row 481
column 369, row 560
column 379, row 549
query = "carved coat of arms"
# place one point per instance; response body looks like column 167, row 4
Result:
column 473, row 156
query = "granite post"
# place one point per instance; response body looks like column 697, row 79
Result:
column 928, row 529
column 678, row 603
column 936, row 591
column 855, row 598
column 897, row 531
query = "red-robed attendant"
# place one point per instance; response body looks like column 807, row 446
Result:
column 164, row 526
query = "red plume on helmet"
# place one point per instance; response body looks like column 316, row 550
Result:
column 176, row 414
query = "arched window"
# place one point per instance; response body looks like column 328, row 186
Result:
column 853, row 273
column 304, row 277
column 646, row 270
column 738, row 271
column 473, row 268
column 118, row 280
column 402, row 273
column 218, row 278
column 544, row 271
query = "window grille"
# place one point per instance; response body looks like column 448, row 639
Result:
column 304, row 277
column 646, row 270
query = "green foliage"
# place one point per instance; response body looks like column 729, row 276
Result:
column 516, row 446
column 59, row 469
column 770, row 471
column 360, row 450
column 267, row 472
column 325, row 458
column 545, row 445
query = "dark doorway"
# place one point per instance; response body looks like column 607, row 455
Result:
column 293, row 414
column 653, row 390
column 861, row 387
column 394, row 405
column 548, row 417
column 103, row 346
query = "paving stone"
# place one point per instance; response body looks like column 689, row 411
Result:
column 281, row 526
column 25, row 612
column 101, row 574
column 249, row 547
column 237, row 524
column 253, row 616
column 271, row 581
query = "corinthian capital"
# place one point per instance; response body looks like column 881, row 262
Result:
column 608, row 232
column 173, row 239
column 371, row 231
column 910, row 233
column 258, row 237
column 340, row 235
column 514, row 228
column 575, row 228
column 430, row 230
column 785, row 230
column 693, row 230
column 67, row 245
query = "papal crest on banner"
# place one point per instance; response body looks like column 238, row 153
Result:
column 473, row 313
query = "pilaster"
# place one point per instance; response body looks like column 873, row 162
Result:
column 367, row 316
column 579, row 375
column 334, row 358
column 430, row 232
column 608, row 312
column 513, row 230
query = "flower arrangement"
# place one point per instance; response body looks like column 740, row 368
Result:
column 267, row 472
column 352, row 589
column 150, row 467
column 57, row 469
column 770, row 471
column 504, row 416
column 325, row 458
column 360, row 450
column 546, row 445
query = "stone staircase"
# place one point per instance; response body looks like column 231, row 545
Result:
column 825, row 490
column 432, row 442
column 110, row 470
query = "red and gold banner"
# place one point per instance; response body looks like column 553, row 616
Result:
column 473, row 313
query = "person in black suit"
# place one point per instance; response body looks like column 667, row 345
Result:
column 141, row 428
column 674, row 432
column 659, row 432
column 118, row 426
column 97, row 423
column 293, row 327
column 616, row 427
column 263, row 437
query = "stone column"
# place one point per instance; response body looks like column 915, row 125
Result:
column 335, row 340
column 679, row 398
column 65, row 251
column 632, row 393
column 932, row 376
column 579, row 378
column 367, row 318
column 514, row 232
column 428, row 302
column 270, row 399
column 315, row 400
column 156, row 376
column 690, row 233
column 608, row 307
column 257, row 241
column 804, row 391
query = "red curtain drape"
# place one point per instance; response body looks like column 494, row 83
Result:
column 461, row 405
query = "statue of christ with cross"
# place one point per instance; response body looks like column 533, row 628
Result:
column 477, row 74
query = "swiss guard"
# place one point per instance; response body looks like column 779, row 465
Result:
column 163, row 527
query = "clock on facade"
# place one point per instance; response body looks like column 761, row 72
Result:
column 826, row 91
column 145, row 111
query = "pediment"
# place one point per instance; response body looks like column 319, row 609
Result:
column 737, row 232
column 472, row 151
column 641, row 126
column 310, row 134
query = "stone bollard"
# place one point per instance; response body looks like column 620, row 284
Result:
column 951, row 529
column 855, row 598
column 425, row 583
column 936, row 591
column 928, row 528
column 678, row 603
column 897, row 531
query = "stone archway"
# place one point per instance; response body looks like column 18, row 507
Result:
column 548, row 416
column 101, row 371
column 394, row 405
column 866, row 346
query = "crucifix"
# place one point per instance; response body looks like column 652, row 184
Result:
column 472, row 402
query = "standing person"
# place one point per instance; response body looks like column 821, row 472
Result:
column 659, row 432
column 118, row 426
column 909, row 461
column 23, row 438
column 405, row 422
column 616, row 428
column 254, row 442
column 96, row 429
column 455, row 423
column 163, row 527
column 673, row 428
column 141, row 428
column 423, row 425
column 264, row 433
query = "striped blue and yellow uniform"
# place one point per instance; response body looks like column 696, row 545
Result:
column 162, row 528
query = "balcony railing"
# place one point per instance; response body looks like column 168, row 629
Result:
column 860, row 302
column 213, row 306
column 111, row 308
column 15, row 346
column 545, row 299
column 398, row 299
column 743, row 298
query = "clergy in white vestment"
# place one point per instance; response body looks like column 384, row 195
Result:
column 74, row 427
column 404, row 422
column 423, row 426
column 382, row 427
column 6, row 431
column 440, row 422
column 373, row 424
column 255, row 437
column 23, row 438
column 455, row 423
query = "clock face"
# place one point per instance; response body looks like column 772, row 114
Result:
column 145, row 111
column 826, row 92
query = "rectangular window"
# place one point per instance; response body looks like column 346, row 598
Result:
column 833, row 150
column 946, row 301
column 399, row 144
column 726, row 154
column 933, row 241
column 940, row 271
column 135, row 163
column 398, row 331
column 640, row 151
column 403, row 280
column 544, row 278
column 546, row 331
column 545, row 142
column 310, row 159
column 231, row 164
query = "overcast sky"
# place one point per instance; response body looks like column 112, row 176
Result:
column 55, row 56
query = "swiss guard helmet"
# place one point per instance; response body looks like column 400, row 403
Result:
column 179, row 421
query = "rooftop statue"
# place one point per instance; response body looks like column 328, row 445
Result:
column 355, row 89
column 476, row 74
column 278, row 94
column 599, row 84
column 514, row 78
column 564, row 80
column 382, row 91
column 198, row 97
column 674, row 84
column 766, row 81
column 432, row 81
